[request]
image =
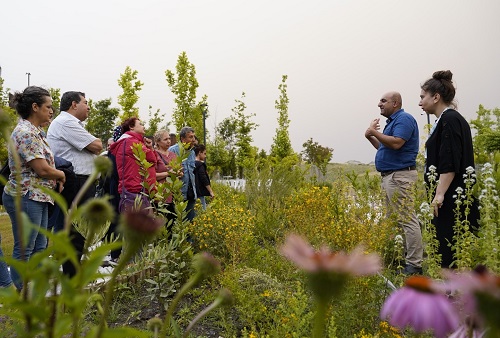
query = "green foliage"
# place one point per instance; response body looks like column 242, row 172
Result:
column 266, row 191
column 282, row 146
column 490, row 215
column 55, row 94
column 465, row 242
column 219, row 158
column 154, row 122
column 101, row 120
column 183, row 84
column 8, row 119
column 235, row 132
column 227, row 232
column 487, row 138
column 244, row 153
column 316, row 154
column 128, row 99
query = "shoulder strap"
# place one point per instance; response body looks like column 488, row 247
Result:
column 163, row 159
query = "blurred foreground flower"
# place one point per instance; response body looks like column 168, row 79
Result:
column 103, row 165
column 297, row 250
column 464, row 331
column 141, row 225
column 417, row 305
column 477, row 296
column 205, row 264
column 97, row 212
column 327, row 272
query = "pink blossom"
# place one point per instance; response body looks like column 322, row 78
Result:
column 470, row 289
column 300, row 252
column 417, row 306
column 464, row 332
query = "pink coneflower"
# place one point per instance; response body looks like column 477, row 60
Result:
column 297, row 250
column 464, row 331
column 327, row 272
column 477, row 296
column 417, row 306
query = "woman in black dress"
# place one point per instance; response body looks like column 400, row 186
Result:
column 449, row 150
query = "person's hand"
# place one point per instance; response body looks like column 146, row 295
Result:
column 148, row 143
column 375, row 124
column 60, row 181
column 437, row 203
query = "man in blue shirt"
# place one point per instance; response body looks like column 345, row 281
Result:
column 397, row 149
column 188, row 189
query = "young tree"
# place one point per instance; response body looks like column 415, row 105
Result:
column 218, row 156
column 55, row 94
column 154, row 121
column 225, row 138
column 487, row 138
column 282, row 147
column 316, row 154
column 101, row 120
column 183, row 84
column 131, row 86
column 245, row 154
column 8, row 120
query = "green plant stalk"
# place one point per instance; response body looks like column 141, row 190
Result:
column 215, row 304
column 110, row 287
column 53, row 310
column 76, row 315
column 320, row 319
column 185, row 288
column 20, row 225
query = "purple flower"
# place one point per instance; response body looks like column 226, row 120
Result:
column 477, row 295
column 464, row 331
column 417, row 306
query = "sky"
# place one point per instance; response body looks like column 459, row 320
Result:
column 340, row 56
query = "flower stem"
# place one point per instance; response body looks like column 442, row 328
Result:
column 122, row 263
column 185, row 288
column 215, row 304
column 320, row 319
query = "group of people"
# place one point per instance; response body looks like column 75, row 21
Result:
column 449, row 155
column 63, row 159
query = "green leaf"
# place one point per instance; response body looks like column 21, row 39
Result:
column 58, row 199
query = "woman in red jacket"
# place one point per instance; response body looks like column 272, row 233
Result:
column 130, row 183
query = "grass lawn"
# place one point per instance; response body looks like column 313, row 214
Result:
column 6, row 234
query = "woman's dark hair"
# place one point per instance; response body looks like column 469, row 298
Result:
column 23, row 102
column 199, row 149
column 441, row 84
column 128, row 123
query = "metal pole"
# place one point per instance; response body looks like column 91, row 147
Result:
column 29, row 74
column 204, row 111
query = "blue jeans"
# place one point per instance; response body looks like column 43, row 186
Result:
column 203, row 202
column 38, row 214
column 5, row 279
column 191, row 214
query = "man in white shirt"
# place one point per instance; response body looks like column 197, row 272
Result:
column 68, row 139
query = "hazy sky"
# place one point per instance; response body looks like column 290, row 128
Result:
column 340, row 56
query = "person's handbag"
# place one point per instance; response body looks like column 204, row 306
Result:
column 5, row 172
